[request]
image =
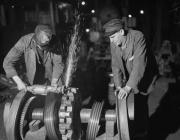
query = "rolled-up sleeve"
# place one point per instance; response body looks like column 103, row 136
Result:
column 13, row 57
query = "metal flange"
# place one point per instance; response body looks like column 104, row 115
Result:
column 25, row 117
column 93, row 124
column 62, row 116
column 17, row 114
column 69, row 116
column 124, row 112
column 51, row 121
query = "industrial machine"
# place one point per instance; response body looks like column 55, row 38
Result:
column 58, row 110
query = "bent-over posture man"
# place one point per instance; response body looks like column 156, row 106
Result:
column 39, row 54
column 134, row 70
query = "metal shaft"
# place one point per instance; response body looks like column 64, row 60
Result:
column 37, row 114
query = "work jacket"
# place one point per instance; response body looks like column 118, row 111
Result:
column 25, row 50
column 134, row 64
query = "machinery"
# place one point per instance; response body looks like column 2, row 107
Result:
column 59, row 111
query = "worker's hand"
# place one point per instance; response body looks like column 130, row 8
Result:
column 20, row 84
column 123, row 92
column 117, row 91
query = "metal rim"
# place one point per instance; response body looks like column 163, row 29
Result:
column 130, row 105
column 122, row 119
column 51, row 121
column 24, row 115
column 7, row 107
column 12, row 130
column 118, row 116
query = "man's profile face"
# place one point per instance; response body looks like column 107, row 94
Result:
column 44, row 38
column 116, row 38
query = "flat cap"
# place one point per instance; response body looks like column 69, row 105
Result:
column 45, row 28
column 113, row 26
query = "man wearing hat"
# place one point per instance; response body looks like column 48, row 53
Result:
column 38, row 55
column 134, row 69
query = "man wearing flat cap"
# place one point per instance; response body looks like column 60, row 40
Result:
column 134, row 68
column 40, row 56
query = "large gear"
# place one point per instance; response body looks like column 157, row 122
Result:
column 59, row 111
column 62, row 115
column 12, row 128
column 51, row 120
column 17, row 114
column 69, row 116
column 23, row 121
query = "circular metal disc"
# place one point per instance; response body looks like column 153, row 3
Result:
column 12, row 127
column 51, row 119
column 122, row 119
column 25, row 117
column 93, row 124
column 7, row 107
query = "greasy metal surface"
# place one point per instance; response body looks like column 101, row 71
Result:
column 93, row 124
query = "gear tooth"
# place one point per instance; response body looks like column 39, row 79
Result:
column 65, row 113
column 23, row 114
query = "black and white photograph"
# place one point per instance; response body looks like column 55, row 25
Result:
column 89, row 70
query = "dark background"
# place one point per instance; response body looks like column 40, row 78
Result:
column 160, row 21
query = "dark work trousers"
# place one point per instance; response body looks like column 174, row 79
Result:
column 139, row 126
